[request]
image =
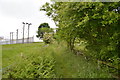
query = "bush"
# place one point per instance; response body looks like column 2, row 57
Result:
column 48, row 38
column 37, row 68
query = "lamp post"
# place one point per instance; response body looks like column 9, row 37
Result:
column 10, row 37
column 17, row 36
column 23, row 31
column 28, row 31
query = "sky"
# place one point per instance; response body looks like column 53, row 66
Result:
column 14, row 12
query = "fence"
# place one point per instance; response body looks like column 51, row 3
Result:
column 18, row 41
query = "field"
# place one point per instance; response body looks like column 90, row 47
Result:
column 38, row 60
column 0, row 62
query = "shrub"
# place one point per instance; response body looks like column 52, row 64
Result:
column 37, row 68
column 48, row 38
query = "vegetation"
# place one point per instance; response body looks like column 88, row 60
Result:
column 41, row 61
column 96, row 24
column 87, row 37
column 44, row 27
column 45, row 32
column 11, row 53
column 0, row 61
column 48, row 38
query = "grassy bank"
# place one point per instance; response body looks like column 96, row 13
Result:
column 37, row 60
column 12, row 53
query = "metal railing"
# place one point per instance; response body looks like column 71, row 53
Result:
column 17, row 41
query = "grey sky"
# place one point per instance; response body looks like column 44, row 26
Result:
column 14, row 12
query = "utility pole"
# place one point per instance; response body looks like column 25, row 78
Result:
column 17, row 36
column 28, row 31
column 23, row 31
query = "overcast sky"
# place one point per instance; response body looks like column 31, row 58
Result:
column 14, row 12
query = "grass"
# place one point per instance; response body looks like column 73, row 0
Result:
column 0, row 61
column 63, row 63
column 12, row 52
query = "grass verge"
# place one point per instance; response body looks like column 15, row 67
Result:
column 37, row 60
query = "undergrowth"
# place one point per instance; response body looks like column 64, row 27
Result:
column 53, row 61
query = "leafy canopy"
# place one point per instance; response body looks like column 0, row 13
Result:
column 44, row 27
column 95, row 23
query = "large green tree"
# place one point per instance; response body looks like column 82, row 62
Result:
column 44, row 27
column 96, row 23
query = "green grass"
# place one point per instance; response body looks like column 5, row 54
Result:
column 62, row 61
column 0, row 61
column 12, row 52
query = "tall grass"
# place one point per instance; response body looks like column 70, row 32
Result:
column 12, row 53
column 69, row 65
column 49, row 61
column 0, row 61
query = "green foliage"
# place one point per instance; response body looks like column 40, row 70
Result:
column 57, row 38
column 53, row 61
column 47, row 30
column 44, row 27
column 31, row 65
column 14, row 52
column 37, row 68
column 48, row 38
column 96, row 23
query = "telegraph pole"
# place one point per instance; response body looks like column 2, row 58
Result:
column 17, row 36
column 28, row 31
column 23, row 31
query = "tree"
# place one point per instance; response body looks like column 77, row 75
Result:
column 96, row 23
column 48, row 38
column 45, row 32
column 44, row 27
